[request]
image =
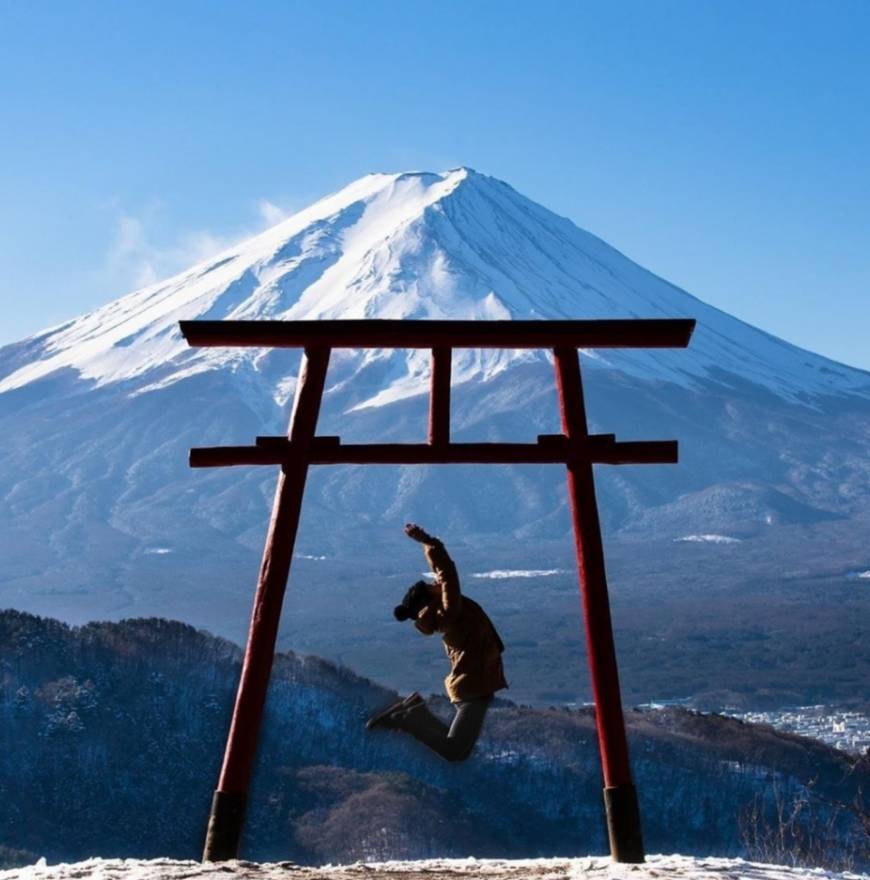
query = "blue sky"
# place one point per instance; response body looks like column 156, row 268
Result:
column 722, row 145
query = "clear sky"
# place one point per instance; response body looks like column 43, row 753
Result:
column 723, row 145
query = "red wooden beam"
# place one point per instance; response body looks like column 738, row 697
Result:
column 228, row 806
column 439, row 397
column 620, row 797
column 638, row 452
column 599, row 449
column 233, row 456
column 616, row 333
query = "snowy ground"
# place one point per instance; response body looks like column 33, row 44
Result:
column 597, row 868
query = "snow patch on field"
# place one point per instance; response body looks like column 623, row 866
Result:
column 707, row 539
column 674, row 867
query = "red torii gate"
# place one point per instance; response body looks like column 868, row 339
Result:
column 575, row 447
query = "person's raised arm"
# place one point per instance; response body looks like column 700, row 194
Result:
column 444, row 570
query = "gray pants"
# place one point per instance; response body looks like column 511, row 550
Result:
column 453, row 743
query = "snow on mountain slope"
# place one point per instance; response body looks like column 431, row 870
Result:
column 101, row 516
column 451, row 245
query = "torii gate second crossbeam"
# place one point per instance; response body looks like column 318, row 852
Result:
column 574, row 447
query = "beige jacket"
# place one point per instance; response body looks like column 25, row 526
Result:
column 472, row 644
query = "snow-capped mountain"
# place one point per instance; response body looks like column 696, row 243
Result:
column 417, row 246
column 99, row 509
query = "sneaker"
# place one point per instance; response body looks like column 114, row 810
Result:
column 412, row 700
column 384, row 719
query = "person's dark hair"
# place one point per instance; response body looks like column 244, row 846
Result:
column 414, row 600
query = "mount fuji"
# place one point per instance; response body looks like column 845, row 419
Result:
column 102, row 517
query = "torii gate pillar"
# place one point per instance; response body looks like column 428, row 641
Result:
column 620, row 797
column 226, row 819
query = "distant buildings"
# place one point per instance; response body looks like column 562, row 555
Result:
column 843, row 729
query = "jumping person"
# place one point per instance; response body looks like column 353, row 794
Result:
column 473, row 647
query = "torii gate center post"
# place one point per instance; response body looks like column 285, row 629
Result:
column 575, row 447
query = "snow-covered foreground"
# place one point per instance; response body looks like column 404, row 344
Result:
column 597, row 868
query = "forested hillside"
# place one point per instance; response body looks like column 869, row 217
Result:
column 112, row 735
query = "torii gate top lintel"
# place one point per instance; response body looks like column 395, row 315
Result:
column 574, row 447
column 386, row 333
column 442, row 336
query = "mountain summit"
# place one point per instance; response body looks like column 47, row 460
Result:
column 417, row 246
column 102, row 516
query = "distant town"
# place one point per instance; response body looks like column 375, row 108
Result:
column 843, row 729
